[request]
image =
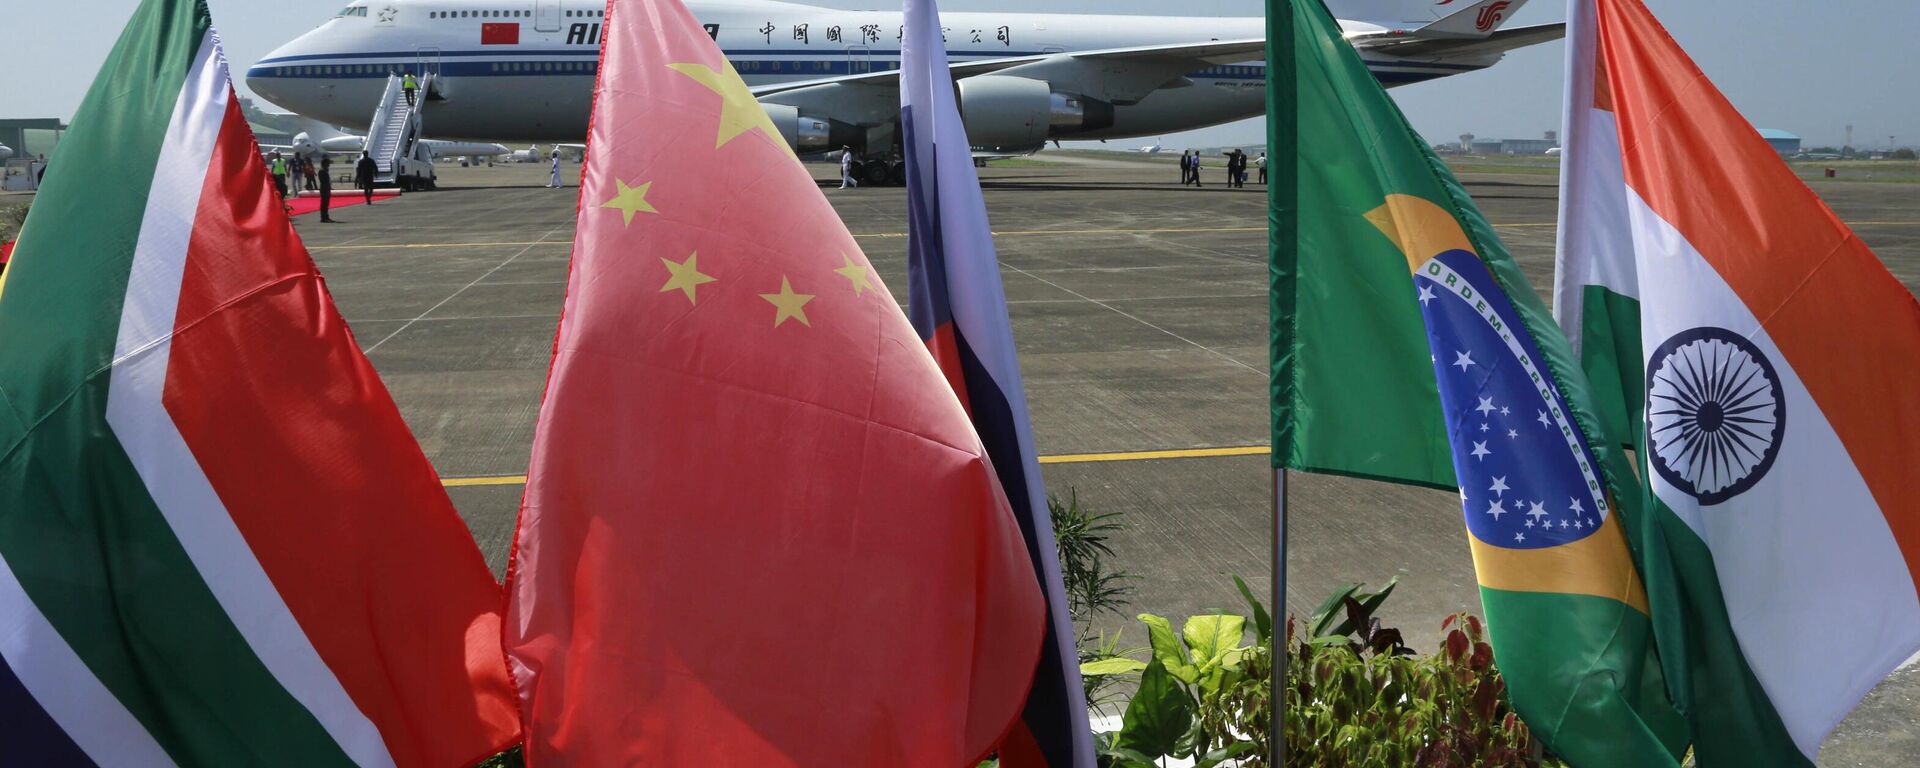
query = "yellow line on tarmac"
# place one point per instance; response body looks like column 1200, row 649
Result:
column 1183, row 453
column 1068, row 458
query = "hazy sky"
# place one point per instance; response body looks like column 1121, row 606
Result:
column 1804, row 66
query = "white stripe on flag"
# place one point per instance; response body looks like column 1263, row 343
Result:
column 979, row 305
column 1594, row 243
column 65, row 687
column 1806, row 549
column 166, row 465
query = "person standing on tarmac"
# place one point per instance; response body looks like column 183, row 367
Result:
column 1262, row 163
column 326, row 187
column 277, row 166
column 363, row 173
column 408, row 84
column 846, row 168
column 553, row 180
column 1195, row 170
column 1184, row 162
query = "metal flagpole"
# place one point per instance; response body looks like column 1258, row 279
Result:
column 1277, row 682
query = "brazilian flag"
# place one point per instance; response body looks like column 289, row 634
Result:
column 1407, row 346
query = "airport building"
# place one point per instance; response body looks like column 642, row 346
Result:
column 1783, row 142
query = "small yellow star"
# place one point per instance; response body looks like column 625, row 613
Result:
column 686, row 276
column 739, row 111
column 856, row 274
column 790, row 304
column 630, row 200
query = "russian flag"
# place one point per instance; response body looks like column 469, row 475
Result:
column 960, row 311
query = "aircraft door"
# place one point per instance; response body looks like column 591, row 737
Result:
column 859, row 60
column 427, row 61
column 546, row 15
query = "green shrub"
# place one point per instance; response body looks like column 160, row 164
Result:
column 1356, row 694
column 11, row 217
column 1093, row 585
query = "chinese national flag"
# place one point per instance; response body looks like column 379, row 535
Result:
column 759, row 528
column 500, row 34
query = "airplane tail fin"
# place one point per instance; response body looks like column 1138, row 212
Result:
column 1476, row 20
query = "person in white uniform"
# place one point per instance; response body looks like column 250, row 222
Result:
column 553, row 182
column 846, row 168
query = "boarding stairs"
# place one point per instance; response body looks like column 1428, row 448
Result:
column 395, row 132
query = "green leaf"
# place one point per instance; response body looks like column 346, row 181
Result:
column 1223, row 754
column 1158, row 715
column 1330, row 612
column 1262, row 621
column 1114, row 665
column 1167, row 648
column 1211, row 638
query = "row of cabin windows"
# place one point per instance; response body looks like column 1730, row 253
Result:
column 381, row 69
column 1243, row 71
column 494, row 14
column 340, row 69
column 803, row 66
column 544, row 66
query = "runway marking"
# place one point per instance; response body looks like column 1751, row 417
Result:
column 451, row 297
column 1131, row 316
column 1065, row 458
column 1179, row 453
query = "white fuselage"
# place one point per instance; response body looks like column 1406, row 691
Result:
column 523, row 70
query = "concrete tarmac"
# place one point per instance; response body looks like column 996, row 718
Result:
column 1141, row 313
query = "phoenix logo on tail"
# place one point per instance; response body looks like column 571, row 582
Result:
column 1489, row 15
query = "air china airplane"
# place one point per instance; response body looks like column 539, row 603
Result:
column 524, row 69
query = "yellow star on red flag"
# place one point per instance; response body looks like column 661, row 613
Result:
column 789, row 303
column 686, row 276
column 856, row 274
column 630, row 200
column 739, row 111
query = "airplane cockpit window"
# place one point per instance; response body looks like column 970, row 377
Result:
column 353, row 10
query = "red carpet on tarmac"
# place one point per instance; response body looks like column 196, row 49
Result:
column 309, row 202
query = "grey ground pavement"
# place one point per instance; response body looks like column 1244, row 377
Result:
column 1140, row 309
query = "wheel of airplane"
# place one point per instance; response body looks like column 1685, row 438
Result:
column 877, row 174
column 897, row 174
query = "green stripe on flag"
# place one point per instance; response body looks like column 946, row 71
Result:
column 77, row 524
column 101, row 563
column 1536, row 664
column 1610, row 354
column 1735, row 723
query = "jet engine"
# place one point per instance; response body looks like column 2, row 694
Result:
column 810, row 135
column 1018, row 114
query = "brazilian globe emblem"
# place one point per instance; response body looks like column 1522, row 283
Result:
column 1715, row 413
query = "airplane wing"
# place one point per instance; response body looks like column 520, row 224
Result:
column 1498, row 42
column 1181, row 58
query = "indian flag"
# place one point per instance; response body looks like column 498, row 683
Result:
column 219, row 544
column 1772, row 369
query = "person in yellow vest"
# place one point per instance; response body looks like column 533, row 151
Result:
column 277, row 166
column 408, row 84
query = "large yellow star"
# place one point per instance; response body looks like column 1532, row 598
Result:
column 739, row 111
column 686, row 276
column 789, row 303
column 856, row 274
column 630, row 200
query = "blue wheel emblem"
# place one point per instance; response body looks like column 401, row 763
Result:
column 1715, row 413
